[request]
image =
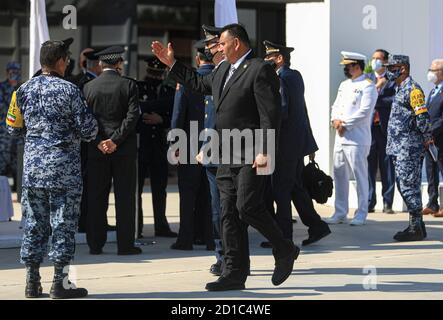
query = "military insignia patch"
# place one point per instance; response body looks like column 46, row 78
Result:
column 418, row 103
column 14, row 118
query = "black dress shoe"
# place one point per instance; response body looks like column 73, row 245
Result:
column 284, row 266
column 132, row 251
column 111, row 228
column 166, row 234
column 33, row 290
column 315, row 236
column 266, row 245
column 388, row 209
column 371, row 210
column 225, row 284
column 58, row 291
column 178, row 246
column 95, row 252
column 216, row 269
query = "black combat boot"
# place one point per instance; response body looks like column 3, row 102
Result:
column 62, row 288
column 33, row 285
column 414, row 232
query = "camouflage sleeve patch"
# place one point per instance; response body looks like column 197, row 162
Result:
column 418, row 102
column 14, row 118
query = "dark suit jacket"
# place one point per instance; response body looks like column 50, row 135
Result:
column 250, row 100
column 114, row 102
column 384, row 103
column 296, row 138
column 435, row 109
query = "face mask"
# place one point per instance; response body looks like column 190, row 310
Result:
column 16, row 76
column 209, row 54
column 347, row 72
column 272, row 63
column 393, row 75
column 432, row 77
column 376, row 64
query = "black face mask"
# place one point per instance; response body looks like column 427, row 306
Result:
column 347, row 73
column 209, row 54
column 272, row 63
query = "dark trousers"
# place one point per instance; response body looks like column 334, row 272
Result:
column 194, row 204
column 287, row 185
column 379, row 159
column 211, row 172
column 243, row 204
column 158, row 173
column 101, row 171
column 433, row 170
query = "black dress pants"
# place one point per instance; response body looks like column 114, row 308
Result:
column 242, row 201
column 101, row 171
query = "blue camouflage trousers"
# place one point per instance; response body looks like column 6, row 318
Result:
column 47, row 210
column 408, row 176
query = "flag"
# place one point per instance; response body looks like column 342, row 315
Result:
column 225, row 13
column 38, row 33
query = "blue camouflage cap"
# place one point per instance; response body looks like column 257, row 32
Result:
column 13, row 65
column 397, row 59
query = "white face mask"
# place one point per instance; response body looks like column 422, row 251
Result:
column 376, row 64
column 432, row 77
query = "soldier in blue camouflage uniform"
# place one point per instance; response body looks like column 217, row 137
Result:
column 52, row 115
column 408, row 138
column 7, row 143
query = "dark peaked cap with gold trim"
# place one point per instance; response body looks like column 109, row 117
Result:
column 276, row 48
column 211, row 32
column 111, row 55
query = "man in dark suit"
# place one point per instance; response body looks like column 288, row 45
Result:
column 435, row 109
column 246, row 96
column 112, row 155
column 377, row 156
column 193, row 187
column 296, row 141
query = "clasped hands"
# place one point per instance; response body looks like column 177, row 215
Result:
column 152, row 118
column 107, row 146
column 339, row 126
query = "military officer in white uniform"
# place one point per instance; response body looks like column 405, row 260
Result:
column 351, row 117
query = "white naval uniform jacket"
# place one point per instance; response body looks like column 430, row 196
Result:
column 355, row 105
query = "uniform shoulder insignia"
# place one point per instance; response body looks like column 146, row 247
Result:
column 369, row 80
column 417, row 100
column 14, row 118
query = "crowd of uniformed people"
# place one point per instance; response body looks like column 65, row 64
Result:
column 76, row 137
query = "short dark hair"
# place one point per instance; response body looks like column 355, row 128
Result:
column 51, row 51
column 237, row 31
column 384, row 52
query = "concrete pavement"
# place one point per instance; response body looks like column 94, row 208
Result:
column 352, row 263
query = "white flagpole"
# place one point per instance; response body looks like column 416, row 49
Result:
column 225, row 12
column 38, row 33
